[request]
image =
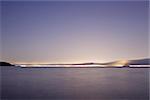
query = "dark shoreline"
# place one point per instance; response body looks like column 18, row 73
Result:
column 84, row 67
column 69, row 67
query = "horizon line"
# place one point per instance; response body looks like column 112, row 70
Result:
column 65, row 63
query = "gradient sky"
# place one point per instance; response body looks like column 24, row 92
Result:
column 72, row 32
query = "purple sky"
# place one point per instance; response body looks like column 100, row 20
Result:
column 72, row 32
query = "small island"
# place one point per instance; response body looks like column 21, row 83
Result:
column 6, row 64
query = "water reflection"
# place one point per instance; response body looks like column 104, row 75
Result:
column 75, row 84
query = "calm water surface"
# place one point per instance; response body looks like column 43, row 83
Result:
column 74, row 83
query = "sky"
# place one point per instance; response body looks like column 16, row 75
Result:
column 73, row 32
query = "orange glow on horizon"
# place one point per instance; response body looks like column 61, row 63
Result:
column 121, row 63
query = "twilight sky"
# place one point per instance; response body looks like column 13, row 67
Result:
column 72, row 32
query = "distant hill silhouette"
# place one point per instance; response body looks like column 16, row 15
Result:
column 5, row 64
column 145, row 61
column 90, row 63
column 122, row 63
column 140, row 62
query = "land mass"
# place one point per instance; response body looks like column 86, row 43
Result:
column 119, row 63
column 6, row 64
